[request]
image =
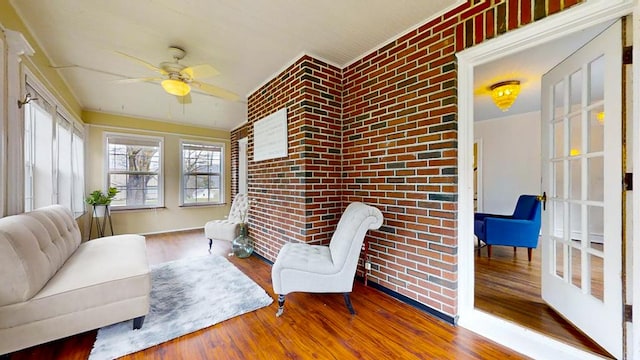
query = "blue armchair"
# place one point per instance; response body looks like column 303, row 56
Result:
column 518, row 230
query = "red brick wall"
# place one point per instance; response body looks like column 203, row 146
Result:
column 383, row 131
column 298, row 198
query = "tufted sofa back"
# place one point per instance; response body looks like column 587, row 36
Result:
column 33, row 246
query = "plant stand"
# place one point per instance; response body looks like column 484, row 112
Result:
column 101, row 213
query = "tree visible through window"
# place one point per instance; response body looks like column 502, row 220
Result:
column 135, row 168
column 202, row 173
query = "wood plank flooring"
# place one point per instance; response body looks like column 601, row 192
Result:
column 313, row 326
column 508, row 286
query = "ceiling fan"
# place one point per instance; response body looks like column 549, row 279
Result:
column 178, row 79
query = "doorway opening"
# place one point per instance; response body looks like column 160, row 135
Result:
column 472, row 63
column 508, row 285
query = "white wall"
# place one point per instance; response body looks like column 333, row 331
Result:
column 509, row 160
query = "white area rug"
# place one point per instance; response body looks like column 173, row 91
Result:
column 186, row 295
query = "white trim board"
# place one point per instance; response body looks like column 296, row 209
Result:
column 579, row 17
column 134, row 131
column 173, row 230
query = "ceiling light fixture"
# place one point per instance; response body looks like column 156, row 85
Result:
column 176, row 87
column 505, row 93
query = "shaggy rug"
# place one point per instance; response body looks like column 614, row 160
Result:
column 186, row 295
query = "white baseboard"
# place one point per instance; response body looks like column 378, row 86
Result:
column 173, row 230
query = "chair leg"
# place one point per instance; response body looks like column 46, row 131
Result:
column 280, row 305
column 137, row 322
column 529, row 253
column 347, row 301
column 514, row 250
column 210, row 244
column 489, row 250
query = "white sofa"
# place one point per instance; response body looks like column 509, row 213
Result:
column 52, row 286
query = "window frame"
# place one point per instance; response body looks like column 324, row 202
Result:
column 4, row 145
column 59, row 117
column 160, row 173
column 220, row 174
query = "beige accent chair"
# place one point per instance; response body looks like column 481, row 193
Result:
column 301, row 267
column 228, row 228
column 53, row 286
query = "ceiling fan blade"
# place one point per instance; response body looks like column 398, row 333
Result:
column 82, row 67
column 215, row 91
column 199, row 71
column 146, row 64
column 183, row 100
column 135, row 80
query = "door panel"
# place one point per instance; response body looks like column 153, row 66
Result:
column 582, row 173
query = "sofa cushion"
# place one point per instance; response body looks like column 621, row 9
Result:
column 102, row 271
column 33, row 247
column 221, row 230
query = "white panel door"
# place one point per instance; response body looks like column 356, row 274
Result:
column 582, row 178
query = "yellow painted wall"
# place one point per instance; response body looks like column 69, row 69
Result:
column 38, row 63
column 172, row 216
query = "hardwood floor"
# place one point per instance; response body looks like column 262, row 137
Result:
column 508, row 286
column 313, row 326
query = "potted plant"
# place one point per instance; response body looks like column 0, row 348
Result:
column 100, row 201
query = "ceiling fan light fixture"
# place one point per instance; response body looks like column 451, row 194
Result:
column 505, row 93
column 176, row 87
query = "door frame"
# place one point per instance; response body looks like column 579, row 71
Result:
column 579, row 17
column 478, row 189
column 243, row 163
column 633, row 352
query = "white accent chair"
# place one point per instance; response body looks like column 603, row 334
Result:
column 227, row 229
column 301, row 267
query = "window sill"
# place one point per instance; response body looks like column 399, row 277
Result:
column 202, row 205
column 135, row 209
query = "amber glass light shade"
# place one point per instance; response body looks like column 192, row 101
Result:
column 505, row 93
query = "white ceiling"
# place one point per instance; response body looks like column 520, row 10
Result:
column 248, row 41
column 528, row 67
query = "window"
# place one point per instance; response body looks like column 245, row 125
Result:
column 134, row 167
column 53, row 154
column 201, row 173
